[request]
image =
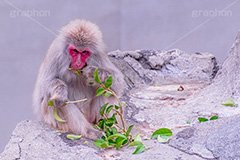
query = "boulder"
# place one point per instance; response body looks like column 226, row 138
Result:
column 157, row 67
column 168, row 89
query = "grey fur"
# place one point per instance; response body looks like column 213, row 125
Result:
column 56, row 82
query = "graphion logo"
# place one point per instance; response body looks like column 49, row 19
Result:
column 29, row 13
column 211, row 13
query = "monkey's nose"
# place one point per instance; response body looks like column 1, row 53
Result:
column 78, row 63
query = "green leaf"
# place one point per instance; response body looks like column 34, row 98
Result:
column 107, row 94
column 188, row 122
column 100, row 91
column 101, row 123
column 139, row 149
column 202, row 119
column 96, row 76
column 96, row 126
column 125, row 142
column 50, row 103
column 124, row 104
column 214, row 117
column 135, row 143
column 117, row 107
column 109, row 109
column 102, row 109
column 56, row 116
column 73, row 137
column 147, row 148
column 114, row 117
column 119, row 142
column 229, row 102
column 105, row 145
column 109, row 132
column 116, row 135
column 108, row 82
column 104, row 136
column 162, row 132
column 162, row 139
column 110, row 122
column 78, row 72
column 111, row 142
column 100, row 143
column 129, row 130
column 114, row 130
column 137, row 137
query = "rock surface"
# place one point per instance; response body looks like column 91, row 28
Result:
column 167, row 90
column 225, row 142
column 208, row 138
column 34, row 140
column 173, row 66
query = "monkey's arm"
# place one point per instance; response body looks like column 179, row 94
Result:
column 58, row 92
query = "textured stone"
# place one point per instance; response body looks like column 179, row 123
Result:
column 225, row 142
column 34, row 140
column 173, row 66
column 226, row 84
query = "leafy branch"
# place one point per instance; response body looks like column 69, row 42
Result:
column 107, row 92
column 115, row 135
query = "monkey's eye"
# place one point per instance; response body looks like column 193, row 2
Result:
column 75, row 50
column 85, row 52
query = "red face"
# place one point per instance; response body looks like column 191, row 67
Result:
column 78, row 57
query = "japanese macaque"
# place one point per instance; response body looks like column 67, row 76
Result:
column 79, row 46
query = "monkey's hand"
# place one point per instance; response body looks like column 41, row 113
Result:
column 58, row 92
column 89, row 74
column 59, row 101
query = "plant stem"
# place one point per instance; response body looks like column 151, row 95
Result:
column 120, row 106
column 118, row 126
column 81, row 100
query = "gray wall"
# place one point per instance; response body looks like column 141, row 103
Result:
column 193, row 26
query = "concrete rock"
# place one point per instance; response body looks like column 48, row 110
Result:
column 34, row 140
column 225, row 142
column 225, row 85
column 173, row 66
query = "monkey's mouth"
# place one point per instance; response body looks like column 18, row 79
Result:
column 76, row 68
column 84, row 66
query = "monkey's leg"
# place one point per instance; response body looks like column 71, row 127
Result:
column 77, row 122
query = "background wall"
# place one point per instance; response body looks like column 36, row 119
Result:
column 27, row 28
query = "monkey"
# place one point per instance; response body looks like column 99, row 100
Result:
column 79, row 46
